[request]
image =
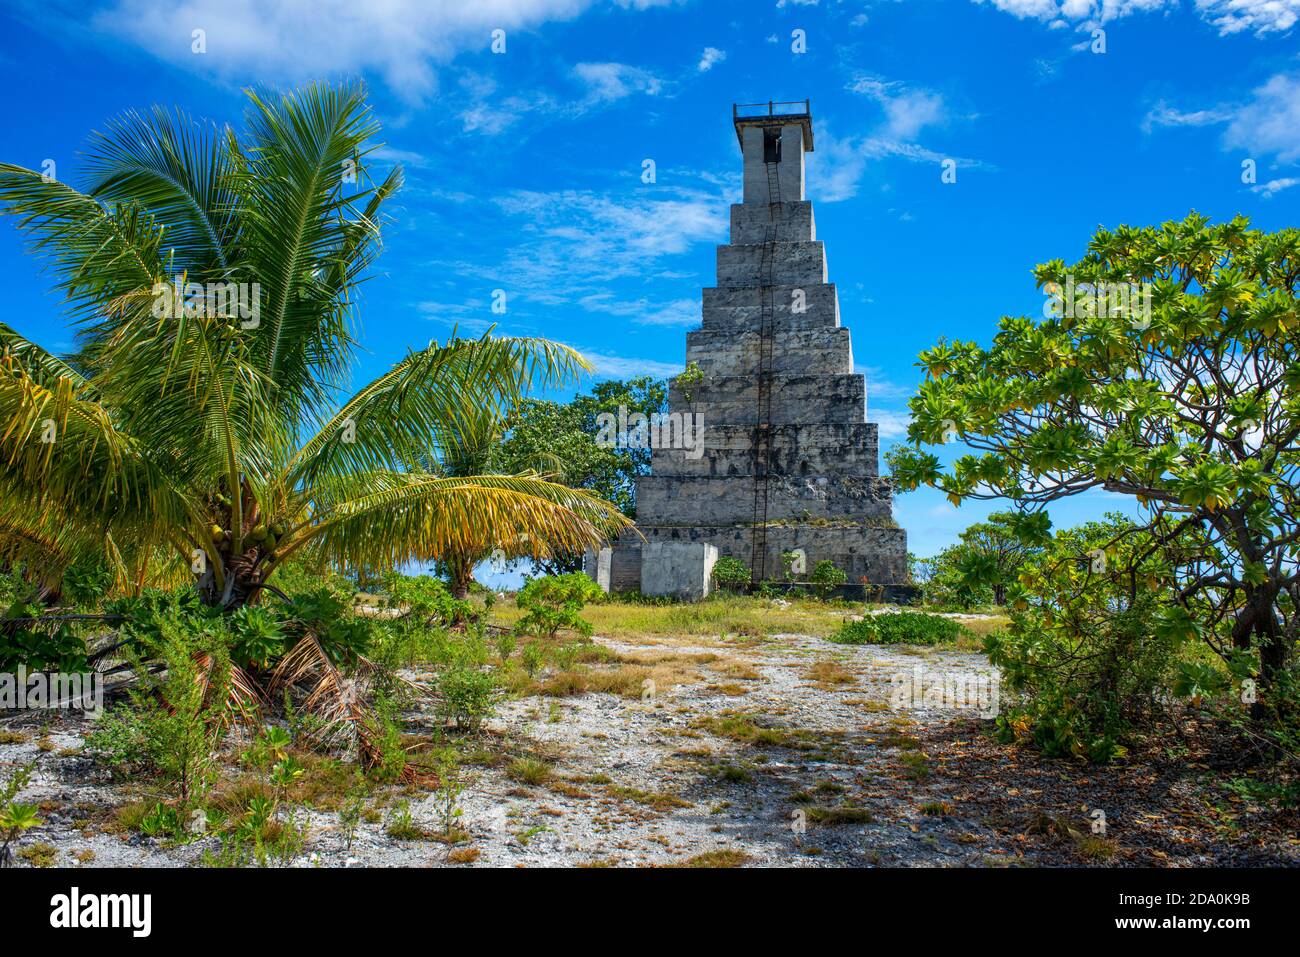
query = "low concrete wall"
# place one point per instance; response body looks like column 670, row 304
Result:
column 678, row 569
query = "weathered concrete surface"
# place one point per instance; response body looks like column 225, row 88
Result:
column 678, row 569
column 599, row 565
column 877, row 553
column 791, row 466
column 806, row 451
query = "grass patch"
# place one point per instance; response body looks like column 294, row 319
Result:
column 830, row 675
column 915, row 765
column 39, row 855
column 529, row 771
column 742, row 615
column 659, row 800
column 820, row 789
column 721, row 858
column 842, row 814
column 744, row 728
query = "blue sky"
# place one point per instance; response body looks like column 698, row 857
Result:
column 524, row 167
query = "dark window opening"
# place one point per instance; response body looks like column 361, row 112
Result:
column 771, row 146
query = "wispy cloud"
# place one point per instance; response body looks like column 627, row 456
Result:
column 1274, row 186
column 621, row 367
column 607, row 82
column 906, row 112
column 1266, row 123
column 604, row 253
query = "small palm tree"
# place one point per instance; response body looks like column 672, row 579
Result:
column 201, row 430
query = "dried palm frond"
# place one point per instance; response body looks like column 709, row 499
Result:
column 334, row 699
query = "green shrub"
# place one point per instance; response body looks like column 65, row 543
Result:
column 468, row 695
column 826, row 577
column 532, row 658
column 53, row 647
column 15, row 817
column 1091, row 652
column 427, row 600
column 169, row 724
column 257, row 637
column 899, row 628
column 731, row 574
column 553, row 603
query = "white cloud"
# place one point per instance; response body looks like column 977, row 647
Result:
column 1274, row 186
column 907, row 111
column 837, row 167
column 678, row 312
column 608, row 254
column 391, row 154
column 1260, row 16
column 892, row 425
column 1162, row 114
column 710, row 58
column 402, row 41
column 1268, row 123
column 1229, row 16
column 607, row 82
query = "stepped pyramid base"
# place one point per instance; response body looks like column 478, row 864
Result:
column 874, row 557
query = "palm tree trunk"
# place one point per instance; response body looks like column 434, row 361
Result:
column 460, row 572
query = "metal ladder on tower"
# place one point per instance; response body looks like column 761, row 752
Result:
column 763, row 417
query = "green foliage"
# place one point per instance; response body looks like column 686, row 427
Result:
column 826, row 577
column 899, row 628
column 862, row 632
column 467, row 696
column 985, row 563
column 15, row 817
column 505, row 645
column 389, row 760
column 689, row 381
column 566, row 434
column 257, row 637
column 1092, row 647
column 194, row 441
column 86, row 582
column 427, row 600
column 52, row 646
column 327, row 611
column 1187, row 404
column 566, row 655
column 532, row 658
column 553, row 603
column 174, row 723
column 731, row 574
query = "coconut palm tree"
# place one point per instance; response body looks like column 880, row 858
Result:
column 202, row 429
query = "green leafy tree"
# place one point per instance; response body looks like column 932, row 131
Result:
column 560, row 440
column 1188, row 407
column 985, row 561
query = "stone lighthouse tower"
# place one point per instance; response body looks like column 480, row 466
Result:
column 789, row 462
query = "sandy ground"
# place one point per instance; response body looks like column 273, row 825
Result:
column 851, row 771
